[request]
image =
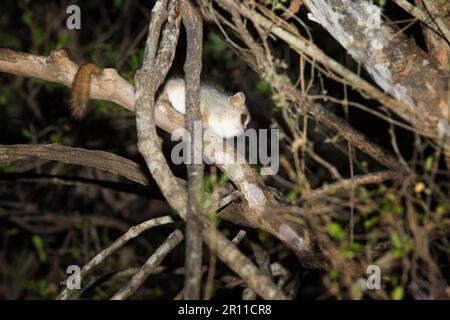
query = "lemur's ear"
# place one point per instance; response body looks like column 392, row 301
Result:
column 237, row 100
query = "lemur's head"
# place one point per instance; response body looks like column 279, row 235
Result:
column 228, row 116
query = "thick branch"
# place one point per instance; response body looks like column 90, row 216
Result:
column 193, row 23
column 395, row 63
column 90, row 158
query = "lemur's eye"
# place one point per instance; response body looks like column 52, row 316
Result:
column 244, row 118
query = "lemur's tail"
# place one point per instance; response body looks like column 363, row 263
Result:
column 80, row 94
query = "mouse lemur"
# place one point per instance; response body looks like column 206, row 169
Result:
column 223, row 113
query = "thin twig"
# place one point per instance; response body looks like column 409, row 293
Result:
column 116, row 245
column 149, row 266
column 342, row 185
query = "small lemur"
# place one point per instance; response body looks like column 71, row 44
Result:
column 225, row 114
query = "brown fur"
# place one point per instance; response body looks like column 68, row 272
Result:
column 80, row 93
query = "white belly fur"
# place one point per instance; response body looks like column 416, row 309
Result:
column 176, row 93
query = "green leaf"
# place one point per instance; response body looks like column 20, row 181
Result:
column 55, row 138
column 428, row 163
column 62, row 41
column 398, row 209
column 293, row 195
column 382, row 188
column 6, row 167
column 158, row 292
column 12, row 232
column 214, row 46
column 336, row 230
column 224, row 178
column 369, row 223
column 263, row 86
column 396, row 241
column 398, row 293
column 25, row 18
column 397, row 245
column 76, row 254
column 27, row 134
column 136, row 59
column 351, row 249
column 4, row 96
column 39, row 37
column 441, row 209
column 380, row 3
column 39, row 246
column 334, row 274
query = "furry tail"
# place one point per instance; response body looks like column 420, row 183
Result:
column 80, row 93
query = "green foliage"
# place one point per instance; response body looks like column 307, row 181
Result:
column 294, row 194
column 391, row 204
column 217, row 59
column 263, row 86
column 136, row 59
column 351, row 249
column 42, row 288
column 336, row 231
column 75, row 253
column 12, row 231
column 59, row 139
column 4, row 96
column 380, row 3
column 214, row 47
column 118, row 4
column 38, row 244
column 371, row 222
column 158, row 292
column 398, row 293
column 46, row 86
column 7, row 167
column 62, row 41
column 105, row 108
column 428, row 163
column 280, row 4
column 27, row 134
column 400, row 247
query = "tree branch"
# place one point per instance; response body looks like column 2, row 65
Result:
column 193, row 23
column 90, row 158
column 149, row 266
column 116, row 245
column 395, row 63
